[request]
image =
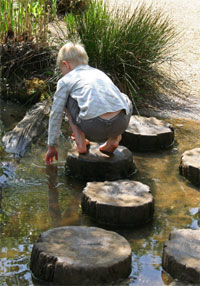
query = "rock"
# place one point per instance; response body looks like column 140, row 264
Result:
column 122, row 203
column 7, row 173
column 0, row 196
column 181, row 255
column 96, row 166
column 190, row 165
column 78, row 255
column 148, row 134
column 28, row 130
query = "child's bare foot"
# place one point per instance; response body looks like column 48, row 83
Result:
column 87, row 142
column 80, row 141
column 78, row 136
column 110, row 145
column 81, row 147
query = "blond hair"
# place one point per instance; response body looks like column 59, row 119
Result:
column 74, row 53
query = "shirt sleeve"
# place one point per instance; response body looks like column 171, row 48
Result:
column 56, row 115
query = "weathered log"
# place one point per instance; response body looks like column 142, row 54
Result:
column 181, row 255
column 148, row 134
column 96, row 166
column 122, row 203
column 28, row 130
column 190, row 165
column 77, row 255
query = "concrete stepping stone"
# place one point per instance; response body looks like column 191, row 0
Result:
column 122, row 203
column 79, row 255
column 96, row 166
column 181, row 255
column 148, row 134
column 190, row 165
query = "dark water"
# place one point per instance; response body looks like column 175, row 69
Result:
column 39, row 198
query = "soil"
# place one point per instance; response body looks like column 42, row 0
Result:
column 182, row 101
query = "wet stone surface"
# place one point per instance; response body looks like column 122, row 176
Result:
column 190, row 165
column 96, row 166
column 148, row 134
column 122, row 203
column 181, row 255
column 78, row 255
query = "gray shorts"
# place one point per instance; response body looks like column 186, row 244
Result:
column 98, row 129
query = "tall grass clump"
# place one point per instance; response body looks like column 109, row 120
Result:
column 128, row 46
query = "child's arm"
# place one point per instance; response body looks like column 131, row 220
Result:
column 55, row 120
column 56, row 115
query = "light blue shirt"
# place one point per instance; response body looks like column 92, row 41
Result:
column 95, row 93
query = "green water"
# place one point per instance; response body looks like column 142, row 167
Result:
column 39, row 198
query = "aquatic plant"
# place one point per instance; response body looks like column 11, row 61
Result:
column 25, row 48
column 25, row 20
column 128, row 46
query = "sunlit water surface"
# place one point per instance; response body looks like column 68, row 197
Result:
column 38, row 198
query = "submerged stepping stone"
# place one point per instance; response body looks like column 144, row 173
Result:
column 78, row 255
column 148, row 134
column 181, row 255
column 190, row 165
column 96, row 166
column 122, row 203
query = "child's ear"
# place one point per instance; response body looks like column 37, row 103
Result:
column 67, row 64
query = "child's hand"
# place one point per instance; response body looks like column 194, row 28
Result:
column 50, row 154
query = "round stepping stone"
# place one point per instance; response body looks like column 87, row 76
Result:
column 148, row 134
column 181, row 255
column 122, row 203
column 78, row 255
column 96, row 166
column 190, row 165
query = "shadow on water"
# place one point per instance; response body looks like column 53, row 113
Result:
column 38, row 198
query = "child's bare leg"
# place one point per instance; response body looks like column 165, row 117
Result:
column 111, row 144
column 87, row 142
column 79, row 137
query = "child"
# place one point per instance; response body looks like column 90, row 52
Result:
column 95, row 107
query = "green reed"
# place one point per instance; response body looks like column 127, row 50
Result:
column 25, row 20
column 128, row 46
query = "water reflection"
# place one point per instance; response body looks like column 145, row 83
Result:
column 54, row 209
column 69, row 215
column 41, row 197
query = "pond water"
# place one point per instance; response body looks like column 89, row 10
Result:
column 38, row 198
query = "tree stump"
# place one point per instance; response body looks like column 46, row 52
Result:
column 190, row 165
column 148, row 134
column 96, row 166
column 122, row 203
column 77, row 255
column 181, row 255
